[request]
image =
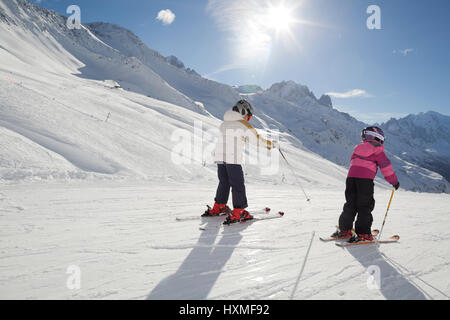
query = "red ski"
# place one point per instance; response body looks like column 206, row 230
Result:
column 375, row 232
column 392, row 239
column 200, row 217
column 259, row 218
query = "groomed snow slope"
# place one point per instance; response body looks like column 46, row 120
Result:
column 125, row 241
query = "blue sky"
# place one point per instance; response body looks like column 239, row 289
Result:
column 372, row 74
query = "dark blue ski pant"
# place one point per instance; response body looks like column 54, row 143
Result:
column 231, row 176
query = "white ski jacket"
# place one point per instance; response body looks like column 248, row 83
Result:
column 234, row 133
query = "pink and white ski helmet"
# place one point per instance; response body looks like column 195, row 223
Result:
column 373, row 133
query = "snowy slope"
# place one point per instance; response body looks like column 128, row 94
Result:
column 36, row 40
column 216, row 97
column 30, row 29
column 88, row 180
column 286, row 106
column 58, row 125
column 125, row 241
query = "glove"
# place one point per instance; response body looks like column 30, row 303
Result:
column 397, row 185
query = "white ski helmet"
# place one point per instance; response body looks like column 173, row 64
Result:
column 373, row 133
column 243, row 107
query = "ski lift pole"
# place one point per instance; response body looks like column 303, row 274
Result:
column 385, row 216
column 292, row 169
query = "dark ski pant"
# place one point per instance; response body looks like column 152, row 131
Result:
column 359, row 201
column 231, row 176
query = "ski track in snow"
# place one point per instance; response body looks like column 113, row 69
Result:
column 127, row 244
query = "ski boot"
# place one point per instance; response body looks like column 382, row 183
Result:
column 361, row 237
column 217, row 210
column 347, row 234
column 238, row 215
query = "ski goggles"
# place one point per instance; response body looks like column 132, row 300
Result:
column 374, row 134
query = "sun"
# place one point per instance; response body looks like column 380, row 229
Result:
column 279, row 18
column 270, row 25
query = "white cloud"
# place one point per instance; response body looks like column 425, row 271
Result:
column 403, row 52
column 166, row 16
column 355, row 93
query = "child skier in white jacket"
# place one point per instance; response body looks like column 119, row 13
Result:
column 235, row 132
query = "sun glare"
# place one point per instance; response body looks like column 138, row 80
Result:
column 279, row 18
column 268, row 26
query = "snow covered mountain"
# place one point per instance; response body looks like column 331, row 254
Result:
column 66, row 111
column 78, row 51
column 287, row 106
column 248, row 89
column 215, row 97
column 107, row 52
column 423, row 139
column 333, row 134
column 291, row 91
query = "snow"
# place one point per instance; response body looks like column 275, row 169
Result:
column 89, row 179
column 293, row 108
column 333, row 134
column 124, row 238
column 216, row 97
column 419, row 135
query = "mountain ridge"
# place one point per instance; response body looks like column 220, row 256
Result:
column 103, row 51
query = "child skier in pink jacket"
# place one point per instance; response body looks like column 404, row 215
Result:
column 366, row 158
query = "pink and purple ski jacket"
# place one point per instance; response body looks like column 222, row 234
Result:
column 365, row 160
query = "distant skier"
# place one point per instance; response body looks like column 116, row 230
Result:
column 366, row 158
column 235, row 132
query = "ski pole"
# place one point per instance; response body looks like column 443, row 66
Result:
column 307, row 198
column 384, row 220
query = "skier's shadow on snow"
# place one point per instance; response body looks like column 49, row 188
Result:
column 198, row 273
column 393, row 284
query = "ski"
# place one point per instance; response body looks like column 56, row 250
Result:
column 392, row 239
column 187, row 218
column 333, row 239
column 265, row 210
column 375, row 232
column 260, row 218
